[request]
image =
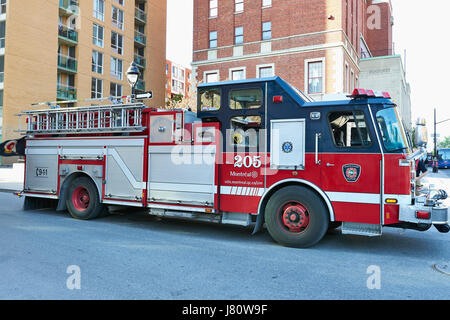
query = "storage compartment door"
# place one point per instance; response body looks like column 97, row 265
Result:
column 182, row 175
column 287, row 144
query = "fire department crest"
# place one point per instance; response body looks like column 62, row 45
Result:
column 351, row 172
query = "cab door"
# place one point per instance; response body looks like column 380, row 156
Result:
column 351, row 165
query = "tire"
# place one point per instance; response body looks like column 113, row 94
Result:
column 83, row 201
column 296, row 216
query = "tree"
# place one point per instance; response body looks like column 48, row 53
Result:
column 445, row 143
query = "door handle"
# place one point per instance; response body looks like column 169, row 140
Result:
column 318, row 135
column 330, row 164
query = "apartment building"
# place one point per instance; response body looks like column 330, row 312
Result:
column 59, row 50
column 315, row 45
column 178, row 80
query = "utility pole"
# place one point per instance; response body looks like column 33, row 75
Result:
column 435, row 167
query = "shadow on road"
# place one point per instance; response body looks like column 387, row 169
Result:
column 393, row 242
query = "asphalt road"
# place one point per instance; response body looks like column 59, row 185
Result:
column 130, row 255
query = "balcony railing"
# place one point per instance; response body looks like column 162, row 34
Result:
column 140, row 38
column 67, row 34
column 70, row 6
column 140, row 61
column 140, row 15
column 66, row 92
column 140, row 85
column 67, row 63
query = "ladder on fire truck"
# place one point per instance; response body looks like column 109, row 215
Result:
column 117, row 118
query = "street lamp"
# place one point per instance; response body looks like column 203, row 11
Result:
column 132, row 77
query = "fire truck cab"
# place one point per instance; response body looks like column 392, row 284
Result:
column 257, row 153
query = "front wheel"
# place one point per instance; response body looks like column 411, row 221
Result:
column 296, row 217
column 83, row 201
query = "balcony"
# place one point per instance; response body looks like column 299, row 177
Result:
column 140, row 39
column 140, row 16
column 66, row 92
column 67, row 36
column 140, row 61
column 140, row 85
column 68, row 7
column 67, row 64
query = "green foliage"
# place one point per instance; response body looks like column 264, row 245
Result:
column 445, row 143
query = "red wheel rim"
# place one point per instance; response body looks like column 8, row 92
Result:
column 294, row 217
column 80, row 198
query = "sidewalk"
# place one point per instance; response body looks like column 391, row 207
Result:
column 11, row 177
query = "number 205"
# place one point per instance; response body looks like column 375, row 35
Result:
column 247, row 161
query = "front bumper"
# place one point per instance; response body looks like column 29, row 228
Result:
column 409, row 213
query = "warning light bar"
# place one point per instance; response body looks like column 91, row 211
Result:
column 363, row 94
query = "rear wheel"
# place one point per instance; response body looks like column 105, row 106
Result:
column 296, row 217
column 83, row 201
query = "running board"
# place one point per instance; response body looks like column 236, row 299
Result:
column 361, row 229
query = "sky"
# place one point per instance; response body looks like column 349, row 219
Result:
column 420, row 27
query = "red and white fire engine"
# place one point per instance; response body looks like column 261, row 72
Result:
column 256, row 153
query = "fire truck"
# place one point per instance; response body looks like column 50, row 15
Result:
column 257, row 153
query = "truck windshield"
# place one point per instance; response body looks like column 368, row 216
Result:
column 394, row 138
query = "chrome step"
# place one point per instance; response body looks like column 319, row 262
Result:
column 362, row 229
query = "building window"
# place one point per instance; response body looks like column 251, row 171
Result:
column 315, row 77
column 346, row 79
column 265, row 71
column 237, row 74
column 99, row 9
column 115, row 90
column 213, row 8
column 267, row 30
column 97, row 62
column 116, row 68
column 98, row 35
column 117, row 18
column 116, row 42
column 213, row 39
column 2, row 34
column 2, row 9
column 97, row 88
column 238, row 35
column 238, row 5
column 211, row 77
column 266, row 3
column 352, row 80
column 120, row 2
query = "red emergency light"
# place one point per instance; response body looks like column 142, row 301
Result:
column 277, row 99
column 386, row 95
column 364, row 93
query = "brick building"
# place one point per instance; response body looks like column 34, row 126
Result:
column 178, row 80
column 316, row 45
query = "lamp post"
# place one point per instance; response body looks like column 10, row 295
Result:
column 133, row 77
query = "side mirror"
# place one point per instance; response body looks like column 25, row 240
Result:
column 421, row 133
